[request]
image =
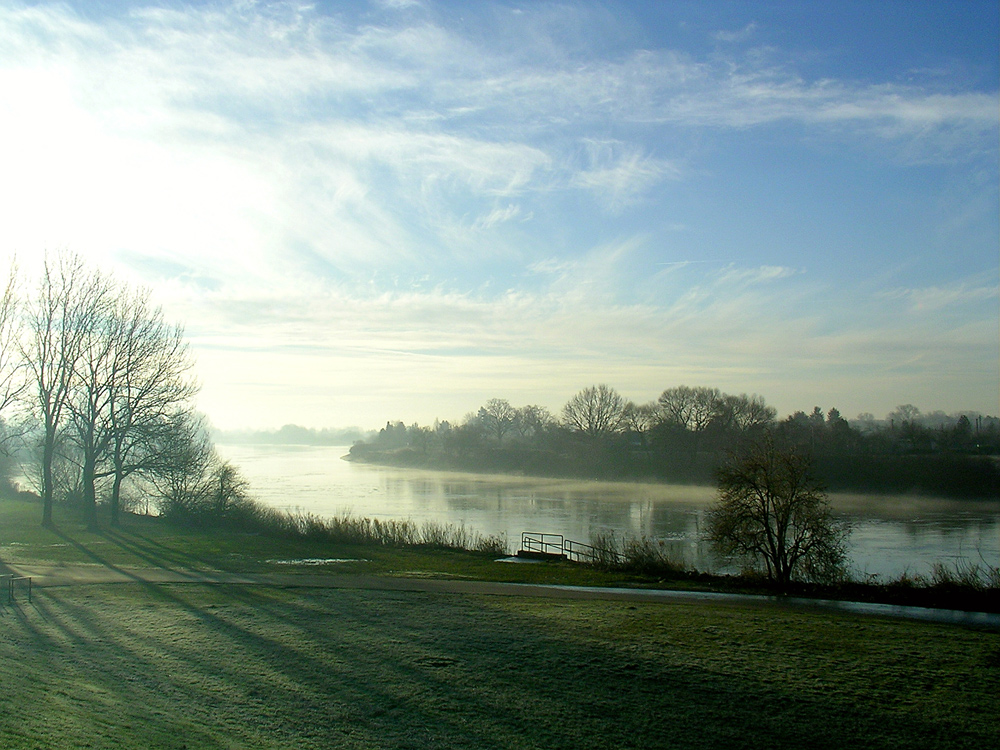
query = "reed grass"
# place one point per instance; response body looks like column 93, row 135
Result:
column 640, row 555
column 962, row 574
column 249, row 515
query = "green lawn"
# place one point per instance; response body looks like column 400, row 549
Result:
column 206, row 666
column 201, row 666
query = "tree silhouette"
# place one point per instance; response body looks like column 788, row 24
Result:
column 771, row 513
column 596, row 412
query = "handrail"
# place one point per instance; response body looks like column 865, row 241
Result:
column 540, row 543
column 10, row 585
column 559, row 546
column 578, row 552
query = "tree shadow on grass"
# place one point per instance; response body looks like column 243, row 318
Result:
column 159, row 555
column 243, row 666
column 134, row 544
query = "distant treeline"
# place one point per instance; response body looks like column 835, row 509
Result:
column 290, row 434
column 686, row 434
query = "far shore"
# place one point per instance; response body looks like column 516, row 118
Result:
column 902, row 502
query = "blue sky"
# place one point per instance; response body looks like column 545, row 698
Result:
column 397, row 210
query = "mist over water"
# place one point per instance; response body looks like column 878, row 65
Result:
column 891, row 535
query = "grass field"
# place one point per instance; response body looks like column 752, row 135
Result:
column 145, row 541
column 227, row 666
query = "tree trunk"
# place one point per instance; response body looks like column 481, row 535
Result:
column 48, row 452
column 89, row 493
column 116, row 493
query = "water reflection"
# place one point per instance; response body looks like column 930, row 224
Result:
column 891, row 535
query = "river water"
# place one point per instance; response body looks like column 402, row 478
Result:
column 891, row 535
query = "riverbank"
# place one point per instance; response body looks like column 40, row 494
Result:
column 266, row 543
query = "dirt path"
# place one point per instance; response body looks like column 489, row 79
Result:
column 44, row 576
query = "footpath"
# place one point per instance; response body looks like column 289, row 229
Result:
column 48, row 576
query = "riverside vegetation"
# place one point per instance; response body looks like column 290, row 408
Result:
column 267, row 666
column 686, row 435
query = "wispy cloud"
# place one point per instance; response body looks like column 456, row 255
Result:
column 740, row 335
column 940, row 298
column 500, row 215
column 619, row 173
column 732, row 275
column 740, row 35
column 398, row 184
column 290, row 108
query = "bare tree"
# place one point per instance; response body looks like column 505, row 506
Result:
column 226, row 487
column 691, row 408
column 640, row 418
column 13, row 382
column 772, row 513
column 745, row 414
column 497, row 417
column 185, row 455
column 104, row 357
column 531, row 419
column 150, row 391
column 95, row 370
column 904, row 414
column 195, row 484
column 596, row 411
column 51, row 350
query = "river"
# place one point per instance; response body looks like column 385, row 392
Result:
column 891, row 535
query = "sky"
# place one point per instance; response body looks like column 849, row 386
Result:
column 398, row 209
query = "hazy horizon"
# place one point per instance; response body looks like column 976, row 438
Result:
column 398, row 209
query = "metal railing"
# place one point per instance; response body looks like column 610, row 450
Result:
column 580, row 552
column 557, row 545
column 543, row 544
column 8, row 582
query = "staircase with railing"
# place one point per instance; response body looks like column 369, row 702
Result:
column 540, row 546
